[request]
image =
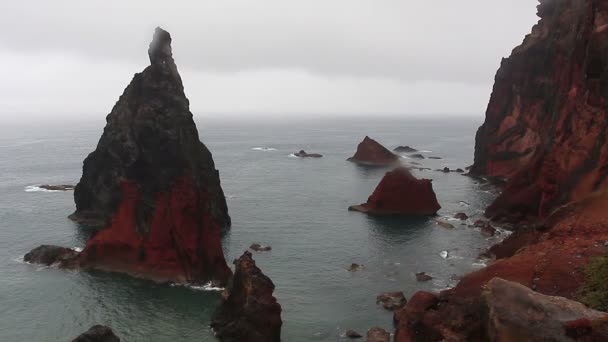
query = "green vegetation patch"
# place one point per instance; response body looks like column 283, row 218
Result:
column 594, row 293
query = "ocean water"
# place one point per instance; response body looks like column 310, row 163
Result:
column 298, row 206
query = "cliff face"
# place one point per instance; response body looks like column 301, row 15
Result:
column 400, row 193
column 153, row 185
column 546, row 121
column 250, row 312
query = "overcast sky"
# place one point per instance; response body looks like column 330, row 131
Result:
column 248, row 57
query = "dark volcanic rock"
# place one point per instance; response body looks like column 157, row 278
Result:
column 400, row 193
column 546, row 122
column 97, row 333
column 153, row 185
column 435, row 158
column 250, row 312
column 51, row 255
column 422, row 276
column 352, row 334
column 461, row 216
column 417, row 156
column 370, row 152
column 303, row 154
column 354, row 267
column 405, row 149
column 259, row 248
column 391, row 300
column 63, row 187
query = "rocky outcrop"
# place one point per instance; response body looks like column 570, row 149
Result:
column 391, row 300
column 303, row 154
column 378, row 335
column 405, row 149
column 516, row 313
column 153, row 185
column 547, row 117
column 53, row 255
column 97, row 333
column 400, row 193
column 249, row 313
column 63, row 187
column 550, row 260
column 370, row 152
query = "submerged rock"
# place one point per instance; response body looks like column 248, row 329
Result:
column 378, row 335
column 57, row 187
column 53, row 255
column 400, row 193
column 370, row 152
column 461, row 216
column 352, row 334
column 422, row 276
column 354, row 267
column 303, row 154
column 97, row 333
column 417, row 156
column 152, row 185
column 250, row 312
column 259, row 248
column 391, row 300
column 405, row 149
column 435, row 158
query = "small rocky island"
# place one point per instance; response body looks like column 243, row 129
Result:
column 400, row 193
column 371, row 153
column 303, row 154
column 249, row 312
column 151, row 186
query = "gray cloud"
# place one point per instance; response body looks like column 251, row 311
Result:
column 338, row 54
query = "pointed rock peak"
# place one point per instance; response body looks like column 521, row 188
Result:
column 160, row 48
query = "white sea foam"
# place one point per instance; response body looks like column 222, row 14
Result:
column 37, row 188
column 425, row 151
column 444, row 254
column 205, row 287
column 264, row 149
column 76, row 249
column 479, row 264
column 293, row 156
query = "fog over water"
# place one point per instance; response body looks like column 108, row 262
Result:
column 237, row 57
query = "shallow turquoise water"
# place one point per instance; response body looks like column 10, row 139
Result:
column 298, row 206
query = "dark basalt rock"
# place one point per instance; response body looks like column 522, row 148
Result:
column 53, row 255
column 422, row 276
column 352, row 334
column 303, row 154
column 249, row 313
column 62, row 187
column 152, row 185
column 417, row 156
column 259, row 248
column 97, row 333
column 435, row 158
column 405, row 149
column 461, row 216
column 371, row 153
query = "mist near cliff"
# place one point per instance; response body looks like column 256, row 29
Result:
column 243, row 58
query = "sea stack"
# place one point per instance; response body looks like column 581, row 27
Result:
column 249, row 312
column 400, row 193
column 546, row 122
column 370, row 152
column 152, row 185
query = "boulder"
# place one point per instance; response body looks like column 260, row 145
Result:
column 417, row 156
column 354, row 267
column 57, row 187
column 97, row 333
column 461, row 216
column 352, row 334
column 370, row 152
column 400, row 193
column 516, row 313
column 378, row 335
column 443, row 224
column 249, row 312
column 260, row 248
column 422, row 276
column 52, row 255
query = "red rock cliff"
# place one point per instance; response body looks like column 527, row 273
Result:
column 400, row 193
column 546, row 121
column 153, row 185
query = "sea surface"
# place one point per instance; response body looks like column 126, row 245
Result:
column 298, row 206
